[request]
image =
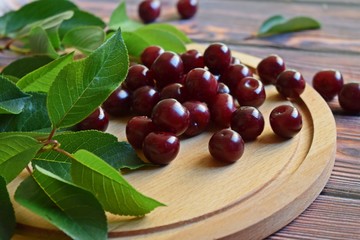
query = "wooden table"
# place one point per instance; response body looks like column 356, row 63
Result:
column 335, row 214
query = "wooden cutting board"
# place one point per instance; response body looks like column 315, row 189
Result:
column 274, row 181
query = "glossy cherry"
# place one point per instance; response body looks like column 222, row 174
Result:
column 149, row 10
column 349, row 98
column 167, row 68
column 248, row 122
column 226, row 146
column 201, row 85
column 234, row 74
column 328, row 83
column 199, row 117
column 269, row 68
column 290, row 83
column 285, row 121
column 217, row 58
column 138, row 76
column 149, row 55
column 174, row 90
column 144, row 99
column 223, row 88
column 170, row 116
column 249, row 92
column 161, row 147
column 137, row 128
column 98, row 120
column 192, row 59
column 187, row 8
column 118, row 103
column 221, row 109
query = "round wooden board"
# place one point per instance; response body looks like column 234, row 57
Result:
column 268, row 187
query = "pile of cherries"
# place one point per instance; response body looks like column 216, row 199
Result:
column 149, row 10
column 179, row 96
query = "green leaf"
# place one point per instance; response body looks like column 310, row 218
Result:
column 106, row 146
column 120, row 19
column 170, row 29
column 85, row 38
column 19, row 68
column 34, row 117
column 35, row 12
column 82, row 86
column 275, row 25
column 4, row 21
column 7, row 214
column 114, row 193
column 71, row 208
column 54, row 37
column 41, row 79
column 138, row 40
column 16, row 151
column 40, row 43
column 80, row 19
column 12, row 99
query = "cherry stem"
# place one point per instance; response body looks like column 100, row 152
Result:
column 29, row 170
column 62, row 151
column 52, row 133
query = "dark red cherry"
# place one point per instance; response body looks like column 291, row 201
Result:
column 349, row 98
column 328, row 83
column 170, row 116
column 226, row 146
column 149, row 55
column 149, row 10
column 137, row 128
column 174, row 90
column 290, row 83
column 234, row 74
column 187, row 8
column 217, row 58
column 285, row 121
column 269, row 68
column 250, row 92
column 235, row 60
column 168, row 68
column 138, row 76
column 248, row 122
column 118, row 103
column 144, row 100
column 223, row 88
column 98, row 120
column 201, row 85
column 199, row 117
column 161, row 147
column 192, row 59
column 221, row 109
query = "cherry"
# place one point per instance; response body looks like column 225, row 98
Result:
column 170, row 116
column 226, row 146
column 217, row 58
column 285, row 121
column 269, row 68
column 97, row 120
column 144, row 99
column 199, row 117
column 137, row 128
column 174, row 90
column 235, row 60
column 250, row 92
column 328, row 83
column 221, row 109
column 138, row 76
column 161, row 147
column 118, row 103
column 201, row 85
column 149, row 55
column 290, row 83
column 234, row 74
column 149, row 10
column 349, row 97
column 192, row 59
column 248, row 122
column 223, row 88
column 187, row 8
column 167, row 68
